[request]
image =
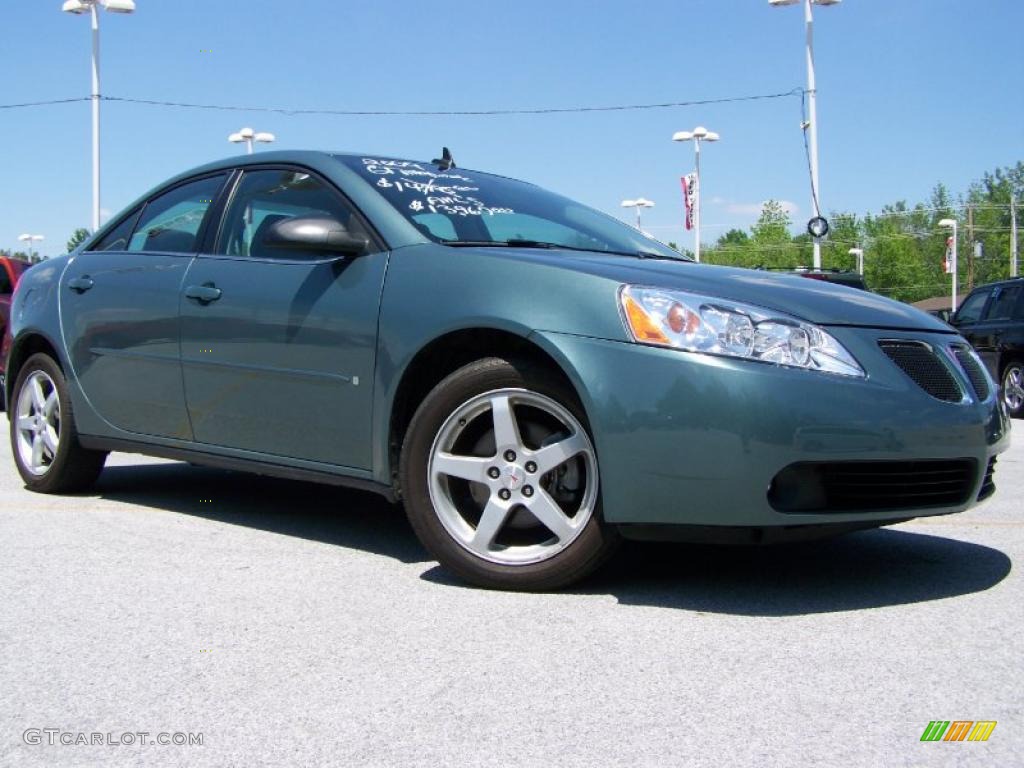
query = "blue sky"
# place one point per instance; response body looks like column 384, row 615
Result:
column 912, row 92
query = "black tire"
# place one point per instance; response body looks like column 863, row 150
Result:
column 73, row 468
column 594, row 544
column 1014, row 366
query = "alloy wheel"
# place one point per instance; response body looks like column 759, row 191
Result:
column 1013, row 387
column 37, row 423
column 513, row 476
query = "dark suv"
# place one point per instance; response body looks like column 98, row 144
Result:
column 992, row 319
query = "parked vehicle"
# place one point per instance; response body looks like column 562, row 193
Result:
column 992, row 319
column 829, row 275
column 533, row 379
column 10, row 272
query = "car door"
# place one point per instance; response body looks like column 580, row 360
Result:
column 995, row 322
column 278, row 346
column 119, row 311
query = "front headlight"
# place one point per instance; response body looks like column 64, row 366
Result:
column 715, row 326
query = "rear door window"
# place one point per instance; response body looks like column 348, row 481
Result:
column 170, row 222
column 1003, row 303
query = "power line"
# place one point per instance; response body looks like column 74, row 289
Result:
column 457, row 113
column 420, row 113
column 44, row 103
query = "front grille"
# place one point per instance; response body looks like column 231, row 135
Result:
column 973, row 370
column 921, row 364
column 867, row 486
column 988, row 485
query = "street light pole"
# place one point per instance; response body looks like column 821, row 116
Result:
column 91, row 7
column 94, row 13
column 640, row 203
column 812, row 108
column 812, row 117
column 697, row 135
column 248, row 136
column 1013, row 235
column 953, row 224
column 859, row 253
column 29, row 239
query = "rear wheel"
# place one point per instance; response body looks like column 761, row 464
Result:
column 1013, row 388
column 500, row 479
column 44, row 439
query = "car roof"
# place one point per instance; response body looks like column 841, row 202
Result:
column 1008, row 281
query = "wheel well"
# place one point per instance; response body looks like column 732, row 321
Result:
column 24, row 349
column 444, row 356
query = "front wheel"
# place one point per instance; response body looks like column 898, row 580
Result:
column 1013, row 388
column 44, row 439
column 500, row 479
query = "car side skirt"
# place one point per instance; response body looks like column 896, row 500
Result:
column 220, row 461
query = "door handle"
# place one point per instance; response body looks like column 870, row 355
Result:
column 81, row 284
column 204, row 293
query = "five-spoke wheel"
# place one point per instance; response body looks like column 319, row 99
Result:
column 37, row 422
column 44, row 437
column 513, row 476
column 500, row 478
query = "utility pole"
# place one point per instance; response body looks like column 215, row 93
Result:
column 1013, row 234
column 970, row 247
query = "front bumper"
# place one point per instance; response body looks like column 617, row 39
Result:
column 691, row 439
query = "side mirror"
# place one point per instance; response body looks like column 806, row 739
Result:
column 316, row 234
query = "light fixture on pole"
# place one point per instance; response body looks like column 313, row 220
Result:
column 952, row 223
column 697, row 135
column 91, row 7
column 859, row 254
column 29, row 239
column 811, row 126
column 640, row 203
column 248, row 136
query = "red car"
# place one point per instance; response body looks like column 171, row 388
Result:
column 10, row 272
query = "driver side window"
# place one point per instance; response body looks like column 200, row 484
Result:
column 266, row 197
column 970, row 310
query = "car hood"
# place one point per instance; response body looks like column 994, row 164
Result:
column 813, row 300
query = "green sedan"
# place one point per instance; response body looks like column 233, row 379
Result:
column 532, row 379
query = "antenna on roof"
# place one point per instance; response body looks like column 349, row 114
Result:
column 446, row 160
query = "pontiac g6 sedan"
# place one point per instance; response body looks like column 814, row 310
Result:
column 532, row 379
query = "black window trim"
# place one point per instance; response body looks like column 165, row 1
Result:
column 212, row 238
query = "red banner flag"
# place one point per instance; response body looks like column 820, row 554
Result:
column 689, row 196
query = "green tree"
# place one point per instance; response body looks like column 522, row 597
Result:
column 78, row 237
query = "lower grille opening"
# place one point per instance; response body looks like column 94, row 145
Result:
column 988, row 485
column 869, row 486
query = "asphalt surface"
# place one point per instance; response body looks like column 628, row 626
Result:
column 293, row 624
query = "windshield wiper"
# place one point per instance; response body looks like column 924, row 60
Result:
column 513, row 243
column 522, row 243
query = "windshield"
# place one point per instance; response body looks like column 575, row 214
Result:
column 459, row 206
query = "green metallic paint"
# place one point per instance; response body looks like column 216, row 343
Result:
column 697, row 439
column 682, row 438
column 282, row 364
